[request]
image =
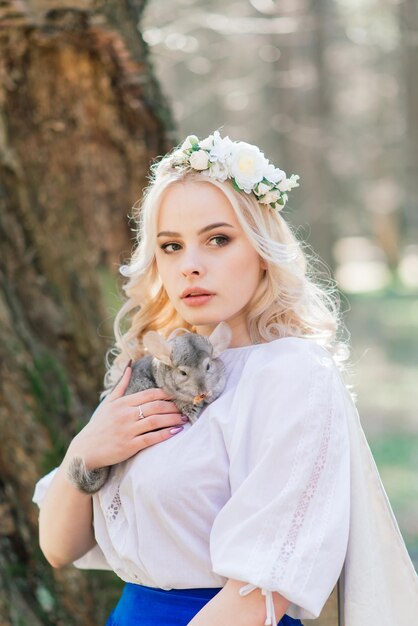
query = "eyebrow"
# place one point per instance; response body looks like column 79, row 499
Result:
column 170, row 233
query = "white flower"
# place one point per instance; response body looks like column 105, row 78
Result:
column 199, row 160
column 293, row 180
column 274, row 174
column 222, row 148
column 220, row 158
column 179, row 157
column 262, row 188
column 189, row 142
column 288, row 183
column 247, row 165
column 207, row 143
column 218, row 170
column 270, row 197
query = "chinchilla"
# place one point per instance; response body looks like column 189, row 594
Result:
column 186, row 366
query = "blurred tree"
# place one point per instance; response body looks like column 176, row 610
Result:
column 408, row 20
column 309, row 144
column 80, row 119
column 326, row 89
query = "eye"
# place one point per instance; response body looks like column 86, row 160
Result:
column 208, row 366
column 182, row 372
column 164, row 246
column 224, row 238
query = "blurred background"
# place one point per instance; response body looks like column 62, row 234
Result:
column 327, row 90
column 90, row 93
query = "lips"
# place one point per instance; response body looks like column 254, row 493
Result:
column 195, row 291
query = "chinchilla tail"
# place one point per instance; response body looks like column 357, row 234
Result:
column 88, row 481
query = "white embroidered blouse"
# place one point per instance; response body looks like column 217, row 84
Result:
column 258, row 489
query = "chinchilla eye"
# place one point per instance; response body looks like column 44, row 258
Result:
column 183, row 372
column 208, row 366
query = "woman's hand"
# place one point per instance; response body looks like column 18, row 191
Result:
column 115, row 432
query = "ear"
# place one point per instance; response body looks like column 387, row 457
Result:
column 158, row 347
column 220, row 338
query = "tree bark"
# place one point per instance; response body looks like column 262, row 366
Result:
column 81, row 117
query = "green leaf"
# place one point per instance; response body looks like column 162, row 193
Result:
column 236, row 186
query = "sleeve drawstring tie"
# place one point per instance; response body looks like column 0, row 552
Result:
column 271, row 616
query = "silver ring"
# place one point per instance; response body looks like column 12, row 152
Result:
column 141, row 414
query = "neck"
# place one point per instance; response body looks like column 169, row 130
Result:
column 240, row 335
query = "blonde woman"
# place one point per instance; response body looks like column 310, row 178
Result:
column 248, row 516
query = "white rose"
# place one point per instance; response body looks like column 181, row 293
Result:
column 207, row 143
column 199, row 160
column 218, row 170
column 179, row 157
column 274, row 174
column 270, row 197
column 189, row 142
column 247, row 165
column 221, row 149
column 262, row 188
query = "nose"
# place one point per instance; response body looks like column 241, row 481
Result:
column 200, row 397
column 192, row 265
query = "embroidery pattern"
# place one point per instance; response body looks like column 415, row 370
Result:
column 278, row 537
column 289, row 545
column 114, row 507
column 112, row 504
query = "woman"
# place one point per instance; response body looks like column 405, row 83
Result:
column 248, row 516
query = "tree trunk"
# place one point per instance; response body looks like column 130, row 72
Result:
column 408, row 28
column 306, row 144
column 81, row 117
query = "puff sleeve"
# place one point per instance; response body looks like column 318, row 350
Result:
column 94, row 558
column 285, row 527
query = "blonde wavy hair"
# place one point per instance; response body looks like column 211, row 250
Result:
column 292, row 299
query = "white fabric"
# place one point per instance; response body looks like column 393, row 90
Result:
column 380, row 582
column 270, row 613
column 274, row 485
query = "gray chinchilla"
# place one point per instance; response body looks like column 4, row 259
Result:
column 186, row 367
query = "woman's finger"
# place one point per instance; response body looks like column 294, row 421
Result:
column 146, row 395
column 147, row 439
column 153, row 420
column 158, row 407
column 122, row 384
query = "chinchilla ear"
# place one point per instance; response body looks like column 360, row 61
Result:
column 158, row 347
column 220, row 338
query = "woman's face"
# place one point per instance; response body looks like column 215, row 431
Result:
column 193, row 252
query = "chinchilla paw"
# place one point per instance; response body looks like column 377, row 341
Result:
column 87, row 481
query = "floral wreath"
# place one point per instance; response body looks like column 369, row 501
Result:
column 239, row 161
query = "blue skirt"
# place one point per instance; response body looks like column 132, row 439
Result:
column 140, row 605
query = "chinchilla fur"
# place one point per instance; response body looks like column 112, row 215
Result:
column 186, row 366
